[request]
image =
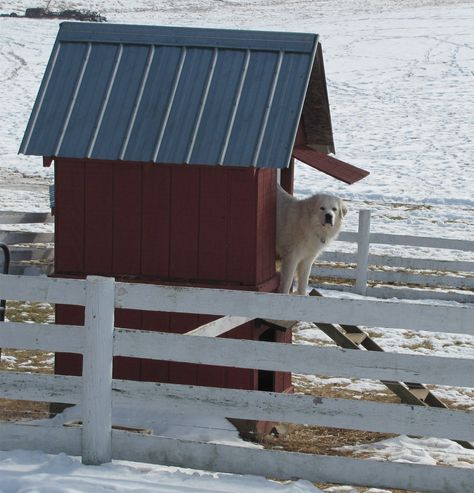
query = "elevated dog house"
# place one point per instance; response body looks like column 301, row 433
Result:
column 166, row 144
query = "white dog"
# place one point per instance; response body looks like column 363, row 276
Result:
column 304, row 228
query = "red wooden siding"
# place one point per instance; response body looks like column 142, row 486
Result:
column 69, row 218
column 194, row 225
column 170, row 223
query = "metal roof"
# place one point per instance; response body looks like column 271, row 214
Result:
column 172, row 95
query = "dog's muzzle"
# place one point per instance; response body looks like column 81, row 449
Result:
column 329, row 219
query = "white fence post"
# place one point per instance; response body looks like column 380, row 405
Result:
column 363, row 244
column 97, row 371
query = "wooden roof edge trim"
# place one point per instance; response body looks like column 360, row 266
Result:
column 336, row 168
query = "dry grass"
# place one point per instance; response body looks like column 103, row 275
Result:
column 26, row 361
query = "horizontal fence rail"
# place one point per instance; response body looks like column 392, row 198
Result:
column 97, row 392
column 32, row 253
column 387, row 276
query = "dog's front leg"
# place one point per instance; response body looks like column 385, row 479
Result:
column 304, row 270
column 287, row 273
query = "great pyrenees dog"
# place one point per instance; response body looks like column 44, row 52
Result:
column 304, row 228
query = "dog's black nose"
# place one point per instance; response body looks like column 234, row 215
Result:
column 328, row 219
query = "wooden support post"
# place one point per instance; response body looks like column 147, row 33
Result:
column 363, row 244
column 97, row 371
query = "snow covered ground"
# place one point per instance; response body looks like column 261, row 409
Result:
column 400, row 79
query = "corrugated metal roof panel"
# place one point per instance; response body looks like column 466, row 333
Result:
column 172, row 95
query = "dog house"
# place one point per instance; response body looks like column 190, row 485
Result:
column 167, row 145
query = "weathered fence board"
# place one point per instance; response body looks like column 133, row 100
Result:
column 67, row 291
column 96, row 391
column 374, row 313
column 218, row 327
column 295, row 358
column 49, row 439
column 13, row 217
column 290, row 465
column 16, row 237
column 40, row 387
column 294, row 408
column 42, row 337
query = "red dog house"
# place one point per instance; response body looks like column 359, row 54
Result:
column 167, row 145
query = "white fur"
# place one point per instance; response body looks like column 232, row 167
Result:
column 304, row 228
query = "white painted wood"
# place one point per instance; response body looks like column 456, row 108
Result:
column 363, row 245
column 348, row 236
column 40, row 387
column 402, row 277
column 422, row 263
column 297, row 408
column 15, row 237
column 296, row 358
column 372, row 313
column 327, row 271
column 50, row 290
column 42, row 337
column 13, row 217
column 422, row 279
column 97, row 371
column 218, row 327
column 390, row 292
column 18, row 254
column 290, row 465
column 49, row 439
column 422, row 241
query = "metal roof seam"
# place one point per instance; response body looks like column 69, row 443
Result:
column 74, row 99
column 235, row 106
column 202, row 105
column 105, row 102
column 138, row 100
column 38, row 107
column 268, row 108
column 170, row 103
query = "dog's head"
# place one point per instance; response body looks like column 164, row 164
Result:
column 329, row 211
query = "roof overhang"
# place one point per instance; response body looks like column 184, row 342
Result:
column 327, row 164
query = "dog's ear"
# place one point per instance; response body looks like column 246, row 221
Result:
column 342, row 209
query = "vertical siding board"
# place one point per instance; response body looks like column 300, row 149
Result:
column 183, row 373
column 127, row 219
column 156, row 200
column 98, row 234
column 267, row 218
column 242, row 226
column 213, row 216
column 210, row 375
column 68, row 363
column 127, row 368
column 153, row 370
column 184, row 231
column 69, row 217
column 241, row 378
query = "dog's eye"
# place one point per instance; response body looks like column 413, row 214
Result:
column 334, row 209
column 323, row 208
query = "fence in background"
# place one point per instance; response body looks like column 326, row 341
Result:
column 98, row 441
column 390, row 276
column 32, row 253
column 380, row 276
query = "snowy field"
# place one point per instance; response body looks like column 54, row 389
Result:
column 401, row 90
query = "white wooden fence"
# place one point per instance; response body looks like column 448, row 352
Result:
column 388, row 276
column 380, row 276
column 32, row 253
column 96, row 391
